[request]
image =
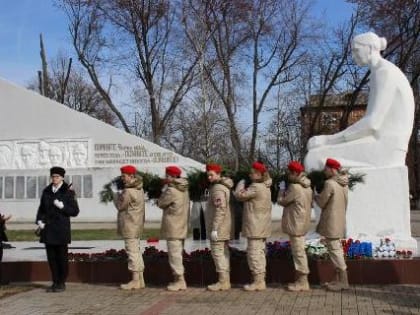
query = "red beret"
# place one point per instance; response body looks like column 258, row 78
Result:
column 173, row 171
column 214, row 167
column 258, row 166
column 295, row 166
column 128, row 169
column 333, row 164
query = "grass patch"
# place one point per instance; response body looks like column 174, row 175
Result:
column 8, row 290
column 79, row 235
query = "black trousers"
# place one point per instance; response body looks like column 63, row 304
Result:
column 58, row 261
column 1, row 258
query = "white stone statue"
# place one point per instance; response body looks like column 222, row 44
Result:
column 376, row 146
column 381, row 137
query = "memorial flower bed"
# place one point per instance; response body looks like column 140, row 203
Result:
column 353, row 249
column 279, row 250
column 387, row 249
column 111, row 266
column 150, row 253
column 357, row 249
column 108, row 255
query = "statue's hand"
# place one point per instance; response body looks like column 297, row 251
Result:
column 316, row 141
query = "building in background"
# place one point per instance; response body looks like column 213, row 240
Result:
column 324, row 117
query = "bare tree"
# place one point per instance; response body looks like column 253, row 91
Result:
column 283, row 135
column 201, row 132
column 66, row 85
column 279, row 31
column 86, row 26
column 224, row 21
column 334, row 68
column 154, row 52
column 44, row 83
column 72, row 89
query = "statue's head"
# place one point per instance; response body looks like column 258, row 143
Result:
column 367, row 46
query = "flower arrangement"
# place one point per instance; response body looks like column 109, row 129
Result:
column 236, row 253
column 357, row 249
column 318, row 179
column 152, row 253
column 386, row 249
column 198, row 254
column 110, row 254
column 279, row 249
column 406, row 254
column 152, row 186
column 317, row 251
column 198, row 183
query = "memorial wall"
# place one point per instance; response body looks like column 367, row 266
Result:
column 37, row 133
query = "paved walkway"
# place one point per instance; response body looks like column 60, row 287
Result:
column 89, row 299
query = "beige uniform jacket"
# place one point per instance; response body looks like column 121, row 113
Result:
column 219, row 215
column 297, row 204
column 256, row 220
column 333, row 202
column 175, row 203
column 131, row 207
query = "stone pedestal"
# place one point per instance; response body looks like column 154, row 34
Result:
column 380, row 207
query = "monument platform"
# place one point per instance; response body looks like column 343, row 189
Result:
column 27, row 263
column 380, row 208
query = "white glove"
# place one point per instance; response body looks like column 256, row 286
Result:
column 241, row 184
column 213, row 236
column 41, row 224
column 114, row 188
column 58, row 204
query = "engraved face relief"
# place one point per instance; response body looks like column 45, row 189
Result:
column 56, row 155
column 79, row 153
column 44, row 157
column 28, row 156
column 5, row 156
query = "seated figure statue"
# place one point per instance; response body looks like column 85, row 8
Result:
column 380, row 138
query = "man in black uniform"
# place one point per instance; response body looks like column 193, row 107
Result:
column 58, row 204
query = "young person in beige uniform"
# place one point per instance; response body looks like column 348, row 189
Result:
column 130, row 205
column 219, row 220
column 333, row 202
column 297, row 203
column 256, row 222
column 175, row 203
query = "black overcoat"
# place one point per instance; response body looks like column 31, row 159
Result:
column 57, row 221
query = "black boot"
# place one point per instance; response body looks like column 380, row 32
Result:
column 52, row 287
column 60, row 287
